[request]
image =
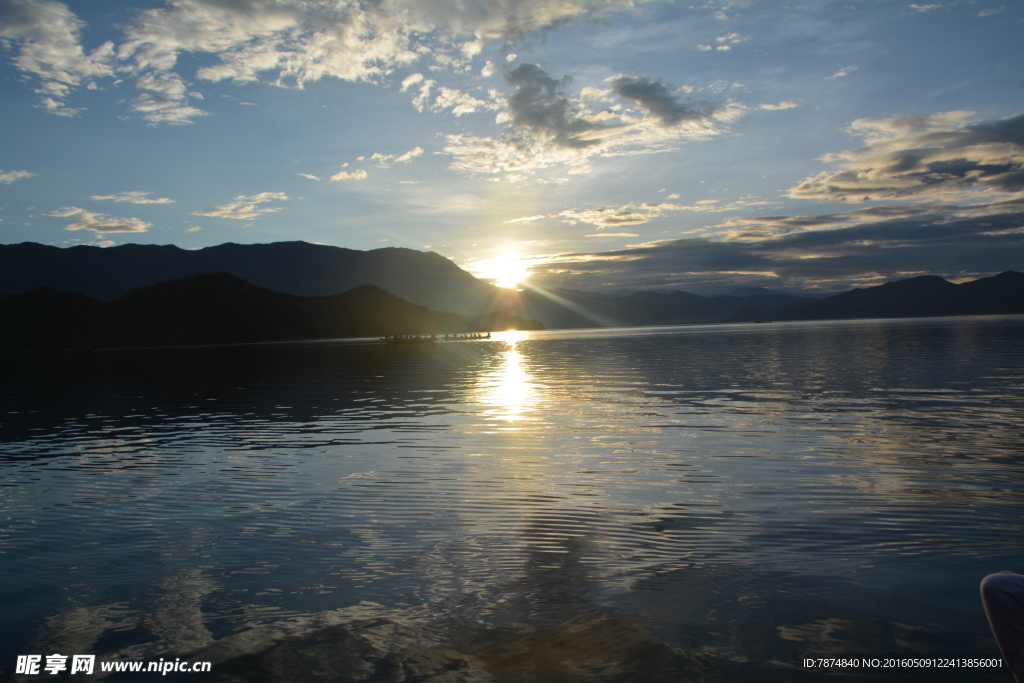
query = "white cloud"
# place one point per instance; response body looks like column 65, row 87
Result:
column 47, row 36
column 284, row 42
column 382, row 160
column 133, row 197
column 458, row 102
column 97, row 222
column 845, row 71
column 347, row 175
column 411, row 80
column 526, row 219
column 629, row 214
column 638, row 214
column 8, row 177
column 164, row 99
column 245, row 206
column 421, row 100
column 780, row 106
column 410, row 155
column 472, row 48
column 63, row 212
column 310, row 176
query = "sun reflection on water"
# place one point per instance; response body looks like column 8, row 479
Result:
column 508, row 390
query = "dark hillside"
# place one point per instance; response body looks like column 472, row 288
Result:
column 297, row 268
column 219, row 308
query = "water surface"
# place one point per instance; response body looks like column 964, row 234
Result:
column 674, row 503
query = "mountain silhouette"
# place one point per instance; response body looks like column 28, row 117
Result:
column 220, row 308
column 426, row 279
column 925, row 295
column 297, row 268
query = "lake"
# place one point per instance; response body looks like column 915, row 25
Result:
column 694, row 503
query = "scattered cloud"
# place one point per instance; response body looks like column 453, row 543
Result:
column 385, row 160
column 292, row 42
column 194, row 228
column 286, row 42
column 629, row 214
column 459, row 102
column 725, row 43
column 925, row 157
column 8, row 177
column 46, row 35
column 541, row 111
column 761, row 228
column 845, row 71
column 527, row 219
column 410, row 155
column 97, row 222
column 655, row 99
column 310, row 176
column 349, row 175
column 165, row 99
column 781, row 105
column 545, row 127
column 919, row 7
column 133, row 197
column 245, row 207
column 638, row 214
column 837, row 253
column 411, row 80
column 966, row 177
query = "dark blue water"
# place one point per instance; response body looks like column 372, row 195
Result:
column 693, row 503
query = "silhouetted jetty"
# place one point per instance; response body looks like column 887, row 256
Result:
column 468, row 335
column 397, row 339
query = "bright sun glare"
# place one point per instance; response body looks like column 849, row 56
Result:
column 503, row 272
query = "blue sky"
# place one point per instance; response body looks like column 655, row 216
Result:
column 600, row 144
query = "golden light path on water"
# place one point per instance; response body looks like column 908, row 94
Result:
column 509, row 392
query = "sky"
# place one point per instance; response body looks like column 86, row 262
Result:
column 597, row 145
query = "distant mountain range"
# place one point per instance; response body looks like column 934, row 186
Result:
column 299, row 290
column 219, row 308
column 926, row 295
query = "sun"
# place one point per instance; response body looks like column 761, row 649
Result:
column 507, row 273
